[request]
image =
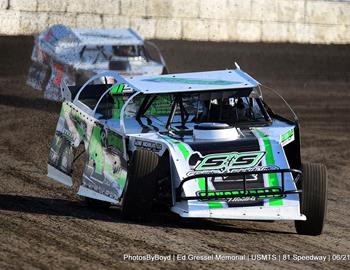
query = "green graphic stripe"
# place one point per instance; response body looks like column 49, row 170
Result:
column 121, row 181
column 121, row 88
column 62, row 111
column 270, row 160
column 78, row 122
column 286, row 136
column 180, row 145
column 183, row 149
column 95, row 149
column 118, row 105
column 201, row 184
column 117, row 89
column 201, row 181
column 80, row 131
column 115, row 141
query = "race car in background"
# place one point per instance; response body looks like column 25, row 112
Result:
column 77, row 54
column 204, row 144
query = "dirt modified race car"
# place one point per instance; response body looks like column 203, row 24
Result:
column 77, row 54
column 204, row 144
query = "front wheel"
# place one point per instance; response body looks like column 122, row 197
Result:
column 313, row 199
column 140, row 186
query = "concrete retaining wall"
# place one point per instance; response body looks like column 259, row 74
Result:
column 301, row 21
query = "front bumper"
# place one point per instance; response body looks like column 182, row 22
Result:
column 208, row 195
column 197, row 206
column 238, row 213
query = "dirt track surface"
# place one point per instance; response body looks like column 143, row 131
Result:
column 45, row 226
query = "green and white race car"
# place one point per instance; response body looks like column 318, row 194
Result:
column 204, row 144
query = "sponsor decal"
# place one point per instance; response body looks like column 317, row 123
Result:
column 66, row 133
column 226, row 161
column 217, row 172
column 240, row 195
column 240, row 200
column 190, row 81
column 155, row 147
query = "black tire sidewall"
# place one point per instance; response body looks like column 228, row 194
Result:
column 313, row 200
column 140, row 185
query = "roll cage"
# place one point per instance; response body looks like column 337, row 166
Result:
column 178, row 107
column 89, row 96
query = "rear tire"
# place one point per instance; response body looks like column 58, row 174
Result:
column 313, row 199
column 140, row 186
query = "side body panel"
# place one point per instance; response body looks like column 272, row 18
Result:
column 104, row 173
column 105, row 167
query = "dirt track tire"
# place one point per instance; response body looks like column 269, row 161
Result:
column 97, row 204
column 140, row 186
column 313, row 199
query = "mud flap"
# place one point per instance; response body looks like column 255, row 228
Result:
column 59, row 176
column 60, row 160
column 70, row 131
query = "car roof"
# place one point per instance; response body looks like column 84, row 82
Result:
column 229, row 79
column 116, row 36
column 191, row 82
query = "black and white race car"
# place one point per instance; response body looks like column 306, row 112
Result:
column 77, row 54
column 204, row 144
